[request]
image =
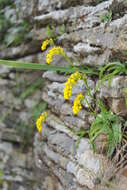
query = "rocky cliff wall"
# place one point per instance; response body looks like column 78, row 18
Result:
column 20, row 98
column 94, row 33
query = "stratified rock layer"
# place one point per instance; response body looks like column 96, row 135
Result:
column 93, row 33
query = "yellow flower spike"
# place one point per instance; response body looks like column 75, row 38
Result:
column 71, row 81
column 40, row 121
column 46, row 43
column 54, row 51
column 77, row 104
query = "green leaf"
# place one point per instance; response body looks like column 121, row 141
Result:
column 117, row 132
column 22, row 65
column 44, row 67
column 62, row 29
column 109, row 124
column 38, row 109
column 49, row 32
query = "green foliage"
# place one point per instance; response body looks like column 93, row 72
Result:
column 18, row 34
column 81, row 133
column 50, row 31
column 62, row 29
column 14, row 34
column 4, row 26
column 4, row 3
column 105, row 73
column 53, row 32
column 37, row 110
column 45, row 67
column 5, row 23
column 110, row 70
column 107, row 123
column 1, row 175
column 106, row 17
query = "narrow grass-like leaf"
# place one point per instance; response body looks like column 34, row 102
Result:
column 45, row 67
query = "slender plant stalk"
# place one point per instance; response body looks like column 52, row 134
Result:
column 45, row 67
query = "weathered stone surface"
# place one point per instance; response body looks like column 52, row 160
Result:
column 53, row 76
column 47, row 6
column 118, row 106
column 20, row 51
column 89, row 40
column 83, row 164
column 114, row 93
column 35, row 58
column 27, row 8
column 84, row 145
column 115, row 89
column 65, row 143
column 57, row 124
column 75, row 123
column 3, row 70
column 10, row 135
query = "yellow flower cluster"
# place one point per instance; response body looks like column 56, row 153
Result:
column 71, row 81
column 77, row 104
column 54, row 51
column 46, row 43
column 41, row 120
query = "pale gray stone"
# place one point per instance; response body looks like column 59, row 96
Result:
column 55, row 157
column 84, row 145
column 85, row 49
column 84, row 179
column 65, row 143
column 4, row 69
column 53, row 76
column 115, row 88
column 30, row 103
column 89, row 42
column 90, row 161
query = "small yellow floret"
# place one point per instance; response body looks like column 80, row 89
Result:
column 41, row 120
column 54, row 51
column 71, row 81
column 46, row 43
column 77, row 104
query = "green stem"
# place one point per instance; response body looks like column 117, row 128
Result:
column 36, row 66
column 89, row 93
column 90, row 107
column 68, row 59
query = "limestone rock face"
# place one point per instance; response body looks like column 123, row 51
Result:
column 93, row 33
column 115, row 95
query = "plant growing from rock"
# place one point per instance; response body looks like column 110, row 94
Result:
column 111, row 70
column 106, row 17
column 105, row 122
column 108, row 124
column 4, row 3
column 18, row 33
column 53, row 32
column 4, row 26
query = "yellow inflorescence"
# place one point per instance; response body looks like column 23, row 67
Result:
column 77, row 104
column 54, row 51
column 46, row 43
column 70, row 83
column 41, row 120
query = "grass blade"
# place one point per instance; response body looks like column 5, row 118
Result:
column 45, row 67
